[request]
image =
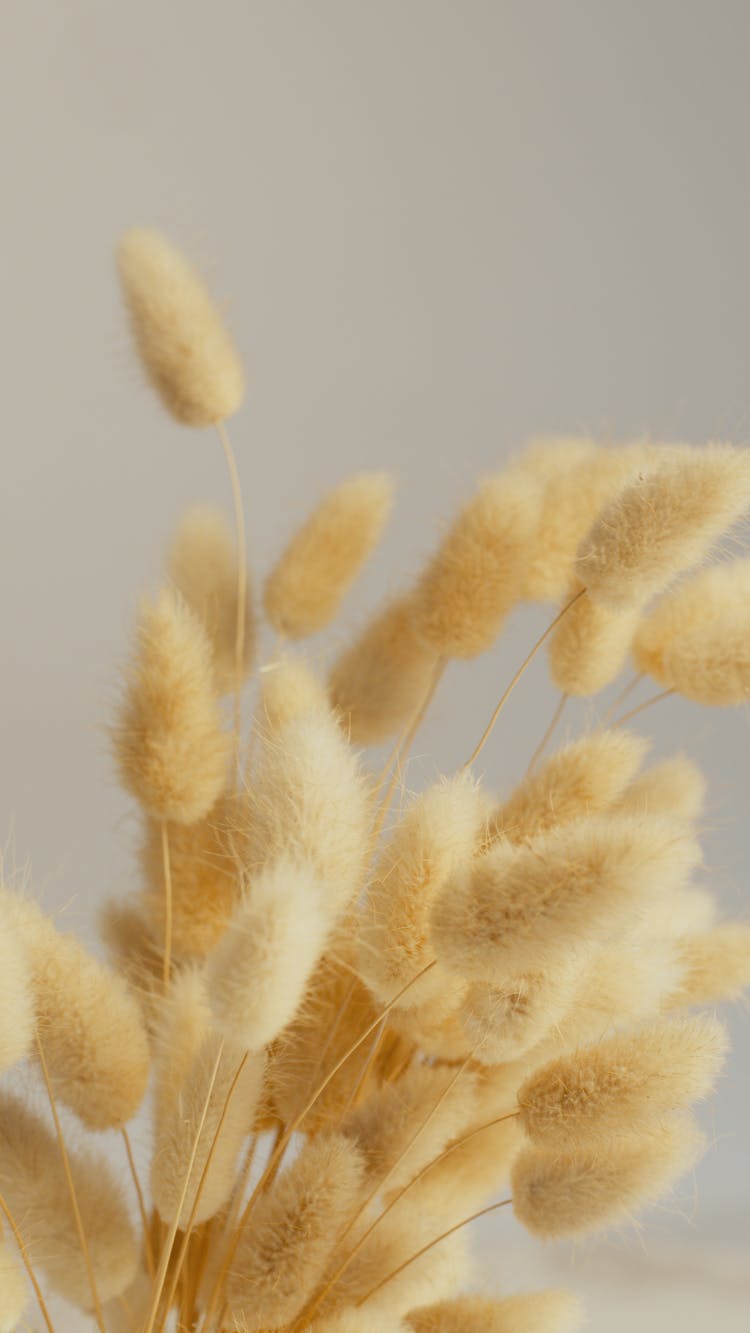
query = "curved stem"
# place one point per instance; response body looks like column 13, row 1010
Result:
column 621, row 697
column 510, row 688
column 403, row 747
column 429, row 1246
column 239, row 523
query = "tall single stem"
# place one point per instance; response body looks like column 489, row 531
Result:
column 168, row 925
column 5, row 1210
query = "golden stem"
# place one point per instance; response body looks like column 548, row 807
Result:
column 141, row 1203
column 239, row 522
column 167, row 871
column 168, row 1245
column 549, row 733
column 510, row 688
column 71, row 1187
column 621, row 697
column 655, row 699
column 26, row 1263
column 403, row 747
column 429, row 1246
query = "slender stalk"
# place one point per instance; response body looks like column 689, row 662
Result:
column 655, row 699
column 167, row 871
column 549, row 733
column 510, row 688
column 141, row 1203
column 168, row 1245
column 239, row 522
column 71, row 1187
column 620, row 700
column 5, row 1210
column 429, row 1246
column 403, row 747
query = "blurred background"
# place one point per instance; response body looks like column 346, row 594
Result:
column 437, row 229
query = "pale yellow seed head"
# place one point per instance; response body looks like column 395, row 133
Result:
column 506, row 1021
column 438, row 835
column 379, row 681
column 624, row 1083
column 578, row 478
column 203, row 568
column 304, row 590
column 537, row 1312
column 520, row 909
column 88, row 1023
column 258, row 973
column 590, row 646
column 176, row 1135
column 310, row 799
column 12, row 1288
column 581, row 779
column 290, row 690
column 402, row 1126
column 16, row 1000
column 476, row 576
column 662, row 523
column 181, row 339
column 716, row 965
column 576, row 1192
column 34, row 1185
column 282, row 1256
column 674, row 787
column 169, row 744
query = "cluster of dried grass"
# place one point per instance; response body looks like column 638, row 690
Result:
column 361, row 1028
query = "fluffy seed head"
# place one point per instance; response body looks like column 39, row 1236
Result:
column 282, row 1256
column 577, row 479
column 310, row 800
column 476, row 576
column 627, row 1081
column 33, row 1183
column 437, row 836
column 520, row 908
column 305, row 588
column 574, row 1193
column 537, row 1312
column 182, row 342
column 358, row 1321
column 16, row 1003
column 171, row 751
column 176, row 1134
column 716, row 965
column 506, row 1021
column 663, row 522
column 581, row 779
column 290, row 690
column 258, row 973
column 674, row 787
column 378, row 683
column 404, row 1125
column 590, row 645
column 12, row 1289
column 89, row 1025
column 203, row 568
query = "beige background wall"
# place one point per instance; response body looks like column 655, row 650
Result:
column 438, row 228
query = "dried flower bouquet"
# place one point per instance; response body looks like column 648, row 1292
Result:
column 365, row 1017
